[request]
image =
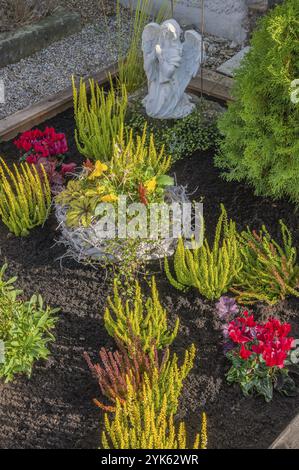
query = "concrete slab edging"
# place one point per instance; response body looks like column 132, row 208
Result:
column 289, row 438
column 29, row 39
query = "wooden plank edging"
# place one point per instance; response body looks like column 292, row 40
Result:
column 47, row 108
column 214, row 85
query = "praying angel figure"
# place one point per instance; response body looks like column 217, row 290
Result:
column 169, row 66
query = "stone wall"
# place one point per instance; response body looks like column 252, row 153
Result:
column 225, row 18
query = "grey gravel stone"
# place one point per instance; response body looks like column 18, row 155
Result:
column 96, row 46
column 49, row 71
column 218, row 50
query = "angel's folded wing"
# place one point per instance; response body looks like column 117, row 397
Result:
column 150, row 37
column 193, row 56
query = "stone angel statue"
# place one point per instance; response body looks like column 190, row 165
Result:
column 169, row 66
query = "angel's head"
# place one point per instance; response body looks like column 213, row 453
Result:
column 171, row 31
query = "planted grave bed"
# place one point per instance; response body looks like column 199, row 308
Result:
column 54, row 408
column 112, row 337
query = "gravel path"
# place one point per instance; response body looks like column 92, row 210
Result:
column 50, row 70
column 96, row 46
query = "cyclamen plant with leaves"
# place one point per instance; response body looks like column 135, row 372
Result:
column 47, row 148
column 262, row 354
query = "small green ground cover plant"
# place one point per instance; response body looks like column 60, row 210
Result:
column 260, row 130
column 262, row 353
column 25, row 329
column 25, row 197
column 181, row 137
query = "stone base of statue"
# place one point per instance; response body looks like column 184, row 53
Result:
column 185, row 107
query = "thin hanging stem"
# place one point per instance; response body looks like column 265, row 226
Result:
column 172, row 8
column 202, row 44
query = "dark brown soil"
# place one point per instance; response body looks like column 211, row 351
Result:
column 54, row 408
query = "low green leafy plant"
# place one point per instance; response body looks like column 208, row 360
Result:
column 164, row 374
column 25, row 329
column 140, row 424
column 270, row 272
column 180, row 138
column 210, row 270
column 137, row 317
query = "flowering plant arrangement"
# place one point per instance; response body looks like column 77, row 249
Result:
column 262, row 353
column 135, row 170
column 47, row 148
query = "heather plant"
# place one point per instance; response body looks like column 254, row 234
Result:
column 261, row 127
column 270, row 272
column 163, row 373
column 25, row 329
column 98, row 120
column 135, row 154
column 261, row 354
column 25, row 197
column 210, row 270
column 131, row 70
column 227, row 307
column 137, row 317
column 139, row 424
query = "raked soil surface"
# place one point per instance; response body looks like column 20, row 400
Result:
column 54, row 408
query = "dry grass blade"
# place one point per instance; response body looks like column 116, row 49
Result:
column 21, row 12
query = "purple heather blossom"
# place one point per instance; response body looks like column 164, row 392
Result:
column 227, row 307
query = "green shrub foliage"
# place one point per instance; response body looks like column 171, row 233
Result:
column 25, row 329
column 261, row 128
column 180, row 138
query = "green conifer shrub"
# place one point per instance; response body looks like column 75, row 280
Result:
column 261, row 128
